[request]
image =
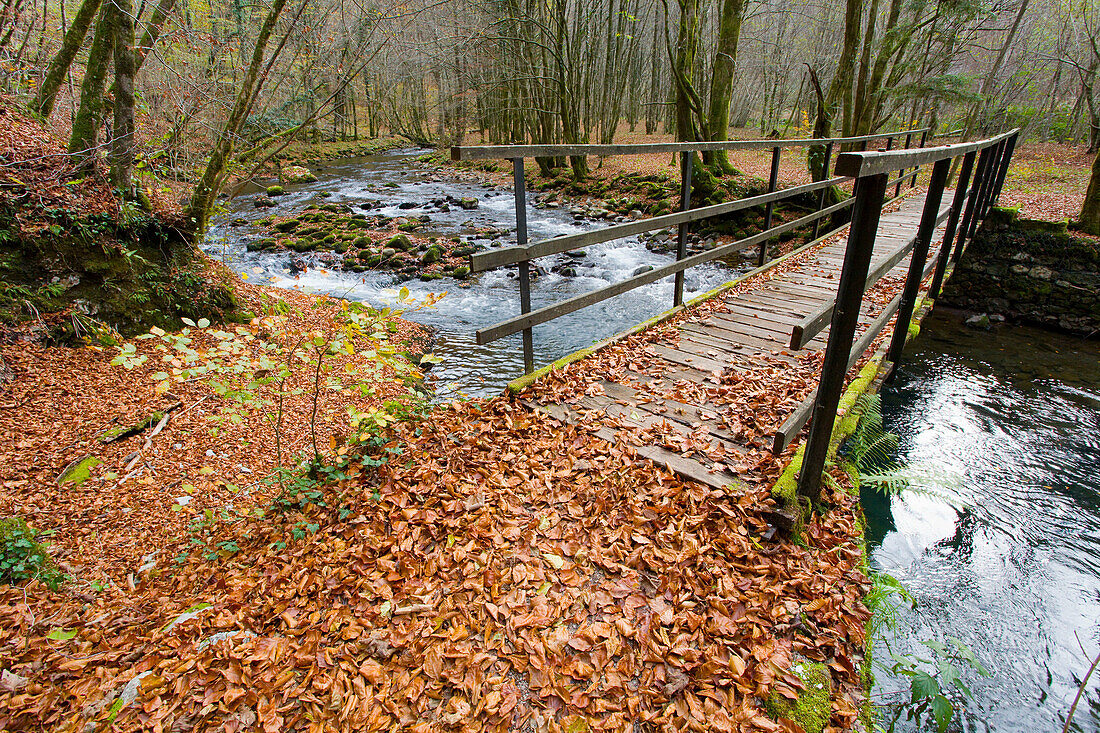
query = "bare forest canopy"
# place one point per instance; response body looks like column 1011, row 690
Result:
column 203, row 91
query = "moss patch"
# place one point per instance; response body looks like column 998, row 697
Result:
column 813, row 707
column 104, row 274
column 78, row 471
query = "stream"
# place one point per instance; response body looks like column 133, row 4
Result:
column 1008, row 561
column 467, row 369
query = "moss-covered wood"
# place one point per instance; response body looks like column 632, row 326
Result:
column 89, row 116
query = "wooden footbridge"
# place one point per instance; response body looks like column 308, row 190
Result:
column 807, row 313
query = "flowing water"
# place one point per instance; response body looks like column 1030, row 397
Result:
column 1009, row 424
column 467, row 369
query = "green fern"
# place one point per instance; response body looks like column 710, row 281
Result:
column 873, row 453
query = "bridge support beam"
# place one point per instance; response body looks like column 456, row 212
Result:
column 869, row 195
column 952, row 224
column 919, row 256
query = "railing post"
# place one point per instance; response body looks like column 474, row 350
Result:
column 821, row 196
column 1010, row 148
column 525, row 265
column 923, row 140
column 901, row 173
column 983, row 189
column 994, row 177
column 952, row 225
column 971, row 200
column 773, row 183
column 682, row 230
column 918, row 257
column 869, row 194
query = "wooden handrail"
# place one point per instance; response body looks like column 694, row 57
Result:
column 859, row 164
column 548, row 313
column 482, row 261
column 502, row 152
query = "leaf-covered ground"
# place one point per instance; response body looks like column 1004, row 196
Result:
column 502, row 573
column 499, row 572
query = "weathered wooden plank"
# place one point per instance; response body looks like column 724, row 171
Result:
column 868, row 164
column 501, row 152
column 676, row 463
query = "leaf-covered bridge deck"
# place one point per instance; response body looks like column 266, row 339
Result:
column 708, row 392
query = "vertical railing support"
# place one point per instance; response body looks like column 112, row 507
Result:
column 971, row 202
column 869, row 194
column 983, row 190
column 773, row 183
column 821, row 196
column 682, row 230
column 1010, row 148
column 525, row 265
column 918, row 258
column 994, row 176
column 987, row 186
column 923, row 140
column 952, row 224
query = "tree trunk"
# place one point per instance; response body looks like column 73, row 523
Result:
column 202, row 199
column 59, row 65
column 89, row 117
column 1090, row 210
column 122, row 139
column 721, row 83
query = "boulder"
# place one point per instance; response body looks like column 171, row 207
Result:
column 262, row 202
column 400, row 241
column 275, row 191
column 468, row 202
column 298, row 174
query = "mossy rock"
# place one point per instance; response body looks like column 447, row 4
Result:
column 462, row 251
column 262, row 245
column 428, row 276
column 341, row 247
column 400, row 241
column 374, row 260
column 78, row 471
column 324, row 194
column 330, row 208
column 329, row 239
column 275, row 191
column 362, row 242
column 287, row 226
column 388, row 252
column 302, row 245
column 813, row 708
column 432, row 255
column 298, row 174
column 461, row 273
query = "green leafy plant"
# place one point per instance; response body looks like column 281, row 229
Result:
column 24, row 557
column 935, row 683
column 255, row 365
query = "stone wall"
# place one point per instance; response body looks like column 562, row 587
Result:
column 1029, row 271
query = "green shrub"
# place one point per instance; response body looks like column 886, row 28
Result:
column 23, row 557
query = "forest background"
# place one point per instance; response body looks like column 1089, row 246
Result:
column 189, row 94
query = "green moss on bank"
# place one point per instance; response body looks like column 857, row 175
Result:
column 103, row 274
column 813, row 708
